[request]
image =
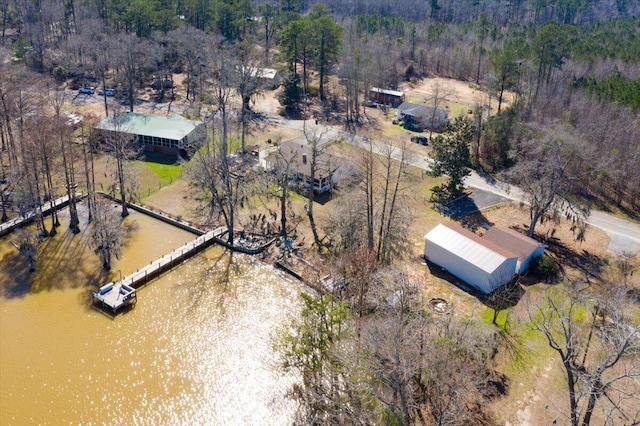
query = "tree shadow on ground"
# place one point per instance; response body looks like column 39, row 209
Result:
column 475, row 221
column 323, row 198
column 605, row 205
column 158, row 158
column 589, row 264
column 506, row 296
column 465, row 211
column 440, row 272
column 457, row 207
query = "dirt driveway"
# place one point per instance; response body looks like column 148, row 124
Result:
column 461, row 92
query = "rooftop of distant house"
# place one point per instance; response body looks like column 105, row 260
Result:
column 409, row 108
column 266, row 73
column 172, row 126
column 326, row 163
column 387, row 92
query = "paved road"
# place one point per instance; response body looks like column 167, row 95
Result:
column 624, row 235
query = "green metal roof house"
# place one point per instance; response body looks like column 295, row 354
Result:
column 172, row 134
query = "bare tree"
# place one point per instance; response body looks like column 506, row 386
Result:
column 135, row 58
column 4, row 196
column 248, row 81
column 190, row 42
column 393, row 216
column 394, row 340
column 317, row 148
column 599, row 347
column 347, row 228
column 376, row 208
column 394, row 365
column 64, row 134
column 31, row 187
column 43, row 145
column 27, row 243
column 455, row 375
column 68, row 163
column 439, row 95
column 284, row 171
column 544, row 173
column 367, row 186
column 122, row 146
column 225, row 183
column 107, row 234
column 355, row 75
column 8, row 112
column 357, row 268
column 103, row 58
column 88, row 149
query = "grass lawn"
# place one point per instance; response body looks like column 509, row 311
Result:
column 166, row 172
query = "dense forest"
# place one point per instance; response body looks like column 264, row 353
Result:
column 566, row 77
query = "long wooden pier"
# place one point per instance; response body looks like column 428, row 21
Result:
column 45, row 209
column 166, row 262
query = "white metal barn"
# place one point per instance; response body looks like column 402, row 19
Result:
column 481, row 263
column 526, row 248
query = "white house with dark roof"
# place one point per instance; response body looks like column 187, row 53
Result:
column 425, row 116
column 171, row 134
column 328, row 165
column 524, row 247
column 479, row 262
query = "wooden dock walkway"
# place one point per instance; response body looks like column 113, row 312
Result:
column 166, row 262
column 10, row 225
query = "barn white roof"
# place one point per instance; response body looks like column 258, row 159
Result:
column 468, row 246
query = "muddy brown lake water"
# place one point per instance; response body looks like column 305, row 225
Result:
column 196, row 350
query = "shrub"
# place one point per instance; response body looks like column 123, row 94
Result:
column 291, row 94
column 545, row 266
column 313, row 91
column 60, row 73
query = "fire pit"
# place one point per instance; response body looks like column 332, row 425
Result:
column 439, row 305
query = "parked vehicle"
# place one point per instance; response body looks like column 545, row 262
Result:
column 87, row 90
column 158, row 84
column 413, row 126
column 422, row 140
column 108, row 92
